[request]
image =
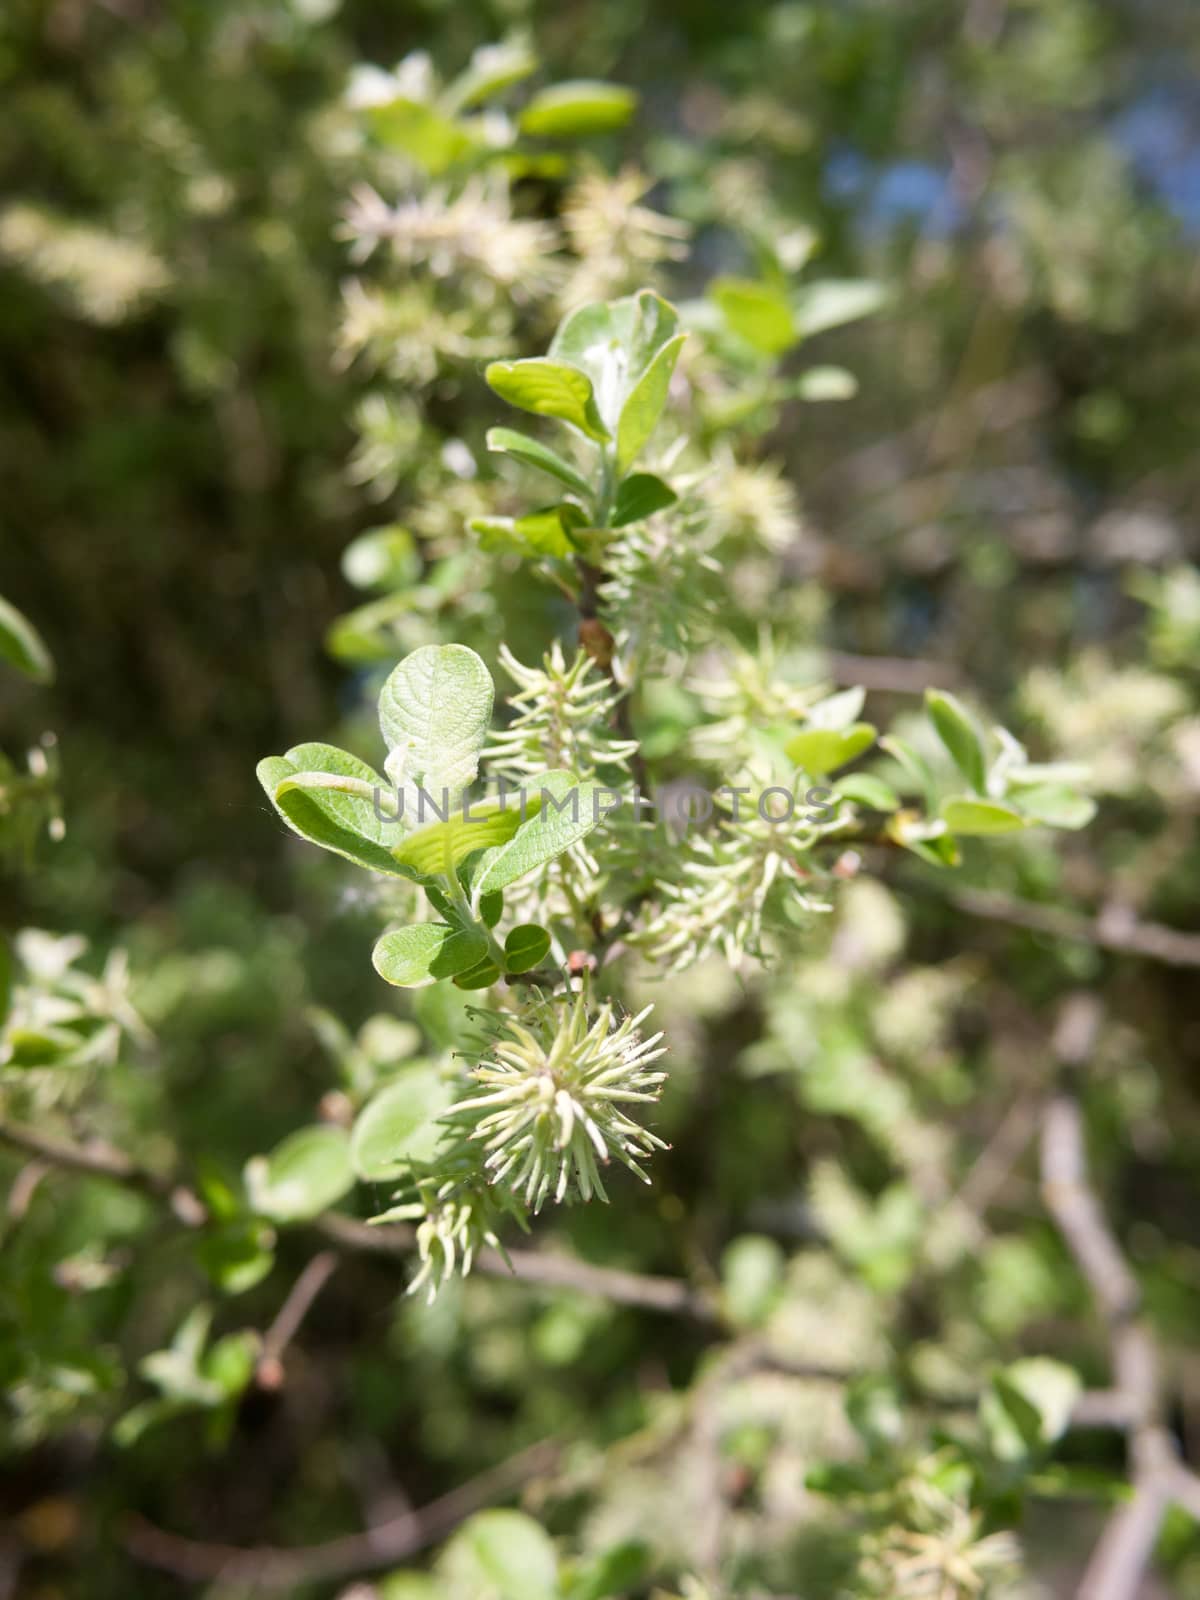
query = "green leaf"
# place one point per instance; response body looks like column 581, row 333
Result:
column 576, row 109
column 525, row 947
column 398, row 1128
column 442, row 846
column 421, row 132
column 1029, row 1406
column 622, row 1569
column 822, row 750
column 533, row 453
column 231, row 1362
column 914, row 765
column 836, row 710
column 434, row 710
column 501, row 1555
column 547, row 832
column 628, row 349
column 965, row 815
column 237, row 1256
column 540, row 533
column 957, row 731
column 833, row 302
column 640, row 496
column 481, row 976
column 412, row 957
column 644, row 407
column 343, row 821
column 1055, row 805
column 22, row 646
column 492, row 69
column 549, row 389
column 757, row 312
column 867, row 790
column 491, row 908
column 305, row 1175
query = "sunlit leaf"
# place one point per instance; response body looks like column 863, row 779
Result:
column 549, row 389
column 821, row 750
column 398, row 1127
column 965, row 815
column 510, row 441
column 578, row 108
column 757, row 312
column 305, row 1175
column 412, row 957
column 957, row 731
column 434, row 710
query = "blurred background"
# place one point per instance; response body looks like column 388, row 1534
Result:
column 1005, row 505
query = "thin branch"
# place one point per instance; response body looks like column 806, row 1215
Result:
column 892, row 674
column 97, row 1159
column 643, row 1291
column 1108, row 931
column 291, row 1314
column 273, row 1567
column 1119, row 1561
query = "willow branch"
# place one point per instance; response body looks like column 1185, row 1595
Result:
column 1119, row 1562
column 384, row 1544
column 1108, row 931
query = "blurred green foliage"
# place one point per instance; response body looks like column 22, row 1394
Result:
column 229, row 441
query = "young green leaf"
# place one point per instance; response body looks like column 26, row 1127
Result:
column 757, row 312
column 640, row 496
column 22, row 646
column 441, row 846
column 340, row 819
column 549, row 389
column 525, row 947
column 423, row 133
column 533, row 453
column 834, row 302
column 505, row 1555
column 434, row 710
column 867, row 790
column 1055, row 805
column 628, row 348
column 641, row 411
column 822, row 750
column 412, row 957
column 541, row 533
column 398, row 1128
column 566, row 811
column 576, row 109
column 492, row 69
column 965, row 815
column 305, row 1175
column 957, row 731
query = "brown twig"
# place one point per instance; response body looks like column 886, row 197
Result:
column 96, row 1159
column 273, row 1567
column 291, row 1314
column 1119, row 1561
column 643, row 1291
column 1108, row 931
